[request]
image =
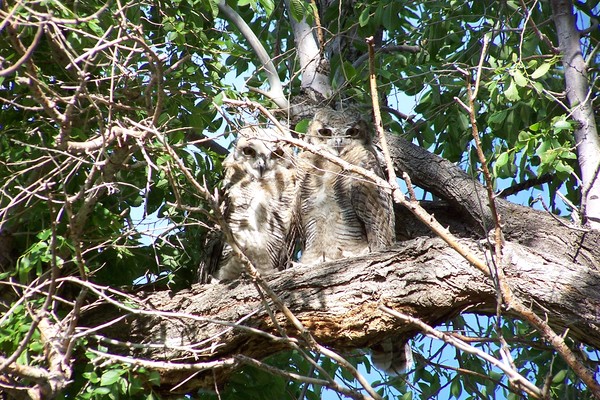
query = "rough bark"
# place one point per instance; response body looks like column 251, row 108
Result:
column 580, row 101
column 466, row 196
column 337, row 302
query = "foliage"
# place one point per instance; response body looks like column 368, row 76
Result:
column 113, row 95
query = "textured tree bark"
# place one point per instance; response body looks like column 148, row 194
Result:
column 338, row 303
column 468, row 198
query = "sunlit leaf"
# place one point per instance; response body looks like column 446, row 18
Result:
column 541, row 71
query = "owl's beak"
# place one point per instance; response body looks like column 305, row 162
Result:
column 261, row 166
column 338, row 144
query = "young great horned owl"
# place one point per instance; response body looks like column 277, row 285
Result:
column 259, row 187
column 343, row 214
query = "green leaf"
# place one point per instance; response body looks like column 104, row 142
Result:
column 154, row 378
column 91, row 376
column 111, row 376
column 502, row 160
column 561, row 125
column 512, row 93
column 102, row 391
column 524, row 136
column 302, row 126
column 297, row 10
column 456, row 388
column 560, row 376
column 364, row 17
column 407, row 396
column 218, row 99
column 497, row 117
column 560, row 166
column 214, row 7
column 541, row 71
column 268, row 6
column 519, row 77
column 45, row 234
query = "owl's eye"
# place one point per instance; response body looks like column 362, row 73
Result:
column 352, row 132
column 325, row 132
column 277, row 153
column 248, row 151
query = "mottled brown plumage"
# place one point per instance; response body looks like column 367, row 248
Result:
column 343, row 214
column 259, row 187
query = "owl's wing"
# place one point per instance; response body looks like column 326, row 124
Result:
column 291, row 243
column 372, row 205
column 287, row 208
column 212, row 254
column 215, row 251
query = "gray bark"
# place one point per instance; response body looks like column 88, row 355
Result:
column 338, row 303
column 467, row 197
column 310, row 57
column 580, row 101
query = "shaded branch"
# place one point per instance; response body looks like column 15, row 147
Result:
column 526, row 184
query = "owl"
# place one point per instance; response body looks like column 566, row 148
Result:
column 259, row 188
column 343, row 214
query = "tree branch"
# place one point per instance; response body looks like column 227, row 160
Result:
column 338, row 303
column 276, row 93
column 310, row 57
column 578, row 94
column 513, row 375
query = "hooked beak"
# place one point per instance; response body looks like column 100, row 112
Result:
column 261, row 166
column 338, row 144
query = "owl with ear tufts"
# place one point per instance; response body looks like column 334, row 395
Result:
column 259, row 188
column 344, row 214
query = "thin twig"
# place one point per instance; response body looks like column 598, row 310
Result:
column 513, row 375
column 377, row 114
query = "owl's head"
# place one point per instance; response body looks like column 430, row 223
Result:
column 258, row 154
column 336, row 130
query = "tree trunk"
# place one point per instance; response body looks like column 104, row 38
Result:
column 580, row 101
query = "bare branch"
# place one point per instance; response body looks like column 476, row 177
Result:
column 276, row 93
column 27, row 54
column 513, row 375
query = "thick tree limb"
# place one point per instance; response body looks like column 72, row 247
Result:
column 468, row 197
column 338, row 303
